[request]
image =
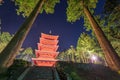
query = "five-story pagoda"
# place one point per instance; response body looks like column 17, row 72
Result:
column 46, row 53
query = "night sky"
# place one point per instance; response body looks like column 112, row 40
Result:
column 68, row 33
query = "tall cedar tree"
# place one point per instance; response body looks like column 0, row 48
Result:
column 33, row 8
column 84, row 8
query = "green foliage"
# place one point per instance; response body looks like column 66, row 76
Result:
column 85, row 42
column 68, row 55
column 5, row 37
column 49, row 6
column 75, row 76
column 88, row 46
column 111, row 30
column 110, row 6
column 110, row 26
column 28, row 51
column 25, row 7
column 87, row 25
column 26, row 54
column 75, row 9
column 112, row 11
column 113, row 35
column 72, row 53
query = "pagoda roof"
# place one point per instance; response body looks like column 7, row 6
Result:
column 48, row 41
column 48, row 36
column 47, row 48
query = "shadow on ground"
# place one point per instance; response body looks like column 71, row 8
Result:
column 87, row 71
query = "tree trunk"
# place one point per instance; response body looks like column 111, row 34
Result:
column 9, row 53
column 111, row 56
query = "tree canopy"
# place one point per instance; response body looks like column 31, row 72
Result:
column 5, row 37
column 25, row 7
column 26, row 54
column 75, row 9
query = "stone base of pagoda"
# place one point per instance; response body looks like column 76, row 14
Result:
column 44, row 62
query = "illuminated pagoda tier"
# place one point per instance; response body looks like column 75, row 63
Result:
column 46, row 53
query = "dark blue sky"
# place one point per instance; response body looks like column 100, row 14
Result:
column 68, row 33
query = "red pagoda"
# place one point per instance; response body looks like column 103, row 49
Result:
column 46, row 53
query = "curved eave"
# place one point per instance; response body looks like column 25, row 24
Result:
column 44, row 59
column 48, row 42
column 48, row 36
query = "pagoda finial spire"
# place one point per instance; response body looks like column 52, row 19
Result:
column 50, row 32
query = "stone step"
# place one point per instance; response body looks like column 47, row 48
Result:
column 39, row 73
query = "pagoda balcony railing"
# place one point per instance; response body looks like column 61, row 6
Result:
column 47, row 48
column 44, row 62
column 44, row 59
column 45, row 54
column 48, row 52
